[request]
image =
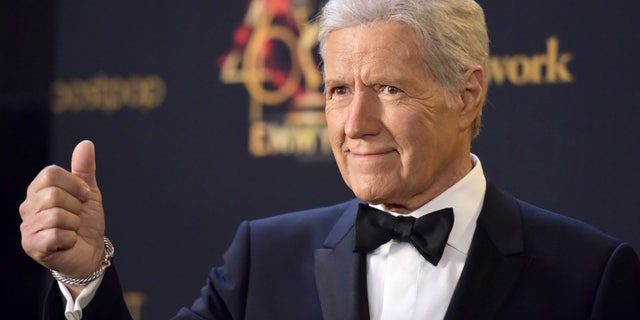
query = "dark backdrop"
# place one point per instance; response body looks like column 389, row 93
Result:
column 26, row 73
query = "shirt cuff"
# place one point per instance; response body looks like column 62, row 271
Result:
column 73, row 309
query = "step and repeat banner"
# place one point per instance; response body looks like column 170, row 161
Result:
column 207, row 113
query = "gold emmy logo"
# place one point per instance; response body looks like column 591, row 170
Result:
column 273, row 55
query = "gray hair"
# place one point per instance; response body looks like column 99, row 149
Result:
column 452, row 34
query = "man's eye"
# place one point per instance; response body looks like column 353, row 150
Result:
column 391, row 90
column 339, row 91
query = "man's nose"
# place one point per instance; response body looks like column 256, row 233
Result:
column 364, row 115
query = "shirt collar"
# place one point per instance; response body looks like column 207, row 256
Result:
column 466, row 198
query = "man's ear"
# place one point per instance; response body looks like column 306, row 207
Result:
column 472, row 94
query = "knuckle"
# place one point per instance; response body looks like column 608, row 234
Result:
column 23, row 209
column 24, row 230
column 32, row 250
column 28, row 229
column 50, row 197
column 51, row 240
column 60, row 218
column 26, row 246
column 51, row 217
column 46, row 175
column 50, row 175
column 64, row 239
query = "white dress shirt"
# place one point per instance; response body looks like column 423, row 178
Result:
column 73, row 309
column 401, row 283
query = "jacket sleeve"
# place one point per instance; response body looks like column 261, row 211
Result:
column 618, row 295
column 224, row 294
column 107, row 304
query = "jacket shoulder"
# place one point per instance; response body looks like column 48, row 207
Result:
column 553, row 226
column 311, row 224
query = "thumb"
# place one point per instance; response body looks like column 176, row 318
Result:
column 83, row 163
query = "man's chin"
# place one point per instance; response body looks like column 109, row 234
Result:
column 369, row 197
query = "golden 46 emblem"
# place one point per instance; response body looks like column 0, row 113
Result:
column 274, row 56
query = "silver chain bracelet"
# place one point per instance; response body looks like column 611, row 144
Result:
column 109, row 250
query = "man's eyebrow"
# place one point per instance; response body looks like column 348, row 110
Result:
column 332, row 82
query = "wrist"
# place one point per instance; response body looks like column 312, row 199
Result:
column 109, row 251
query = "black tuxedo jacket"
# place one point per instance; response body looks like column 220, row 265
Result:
column 523, row 263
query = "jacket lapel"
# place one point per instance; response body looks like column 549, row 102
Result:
column 496, row 260
column 340, row 273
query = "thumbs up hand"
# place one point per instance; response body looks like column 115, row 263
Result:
column 63, row 218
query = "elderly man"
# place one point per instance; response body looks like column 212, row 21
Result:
column 427, row 237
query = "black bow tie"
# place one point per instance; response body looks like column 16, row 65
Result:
column 428, row 234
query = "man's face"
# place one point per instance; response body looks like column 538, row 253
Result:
column 395, row 140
